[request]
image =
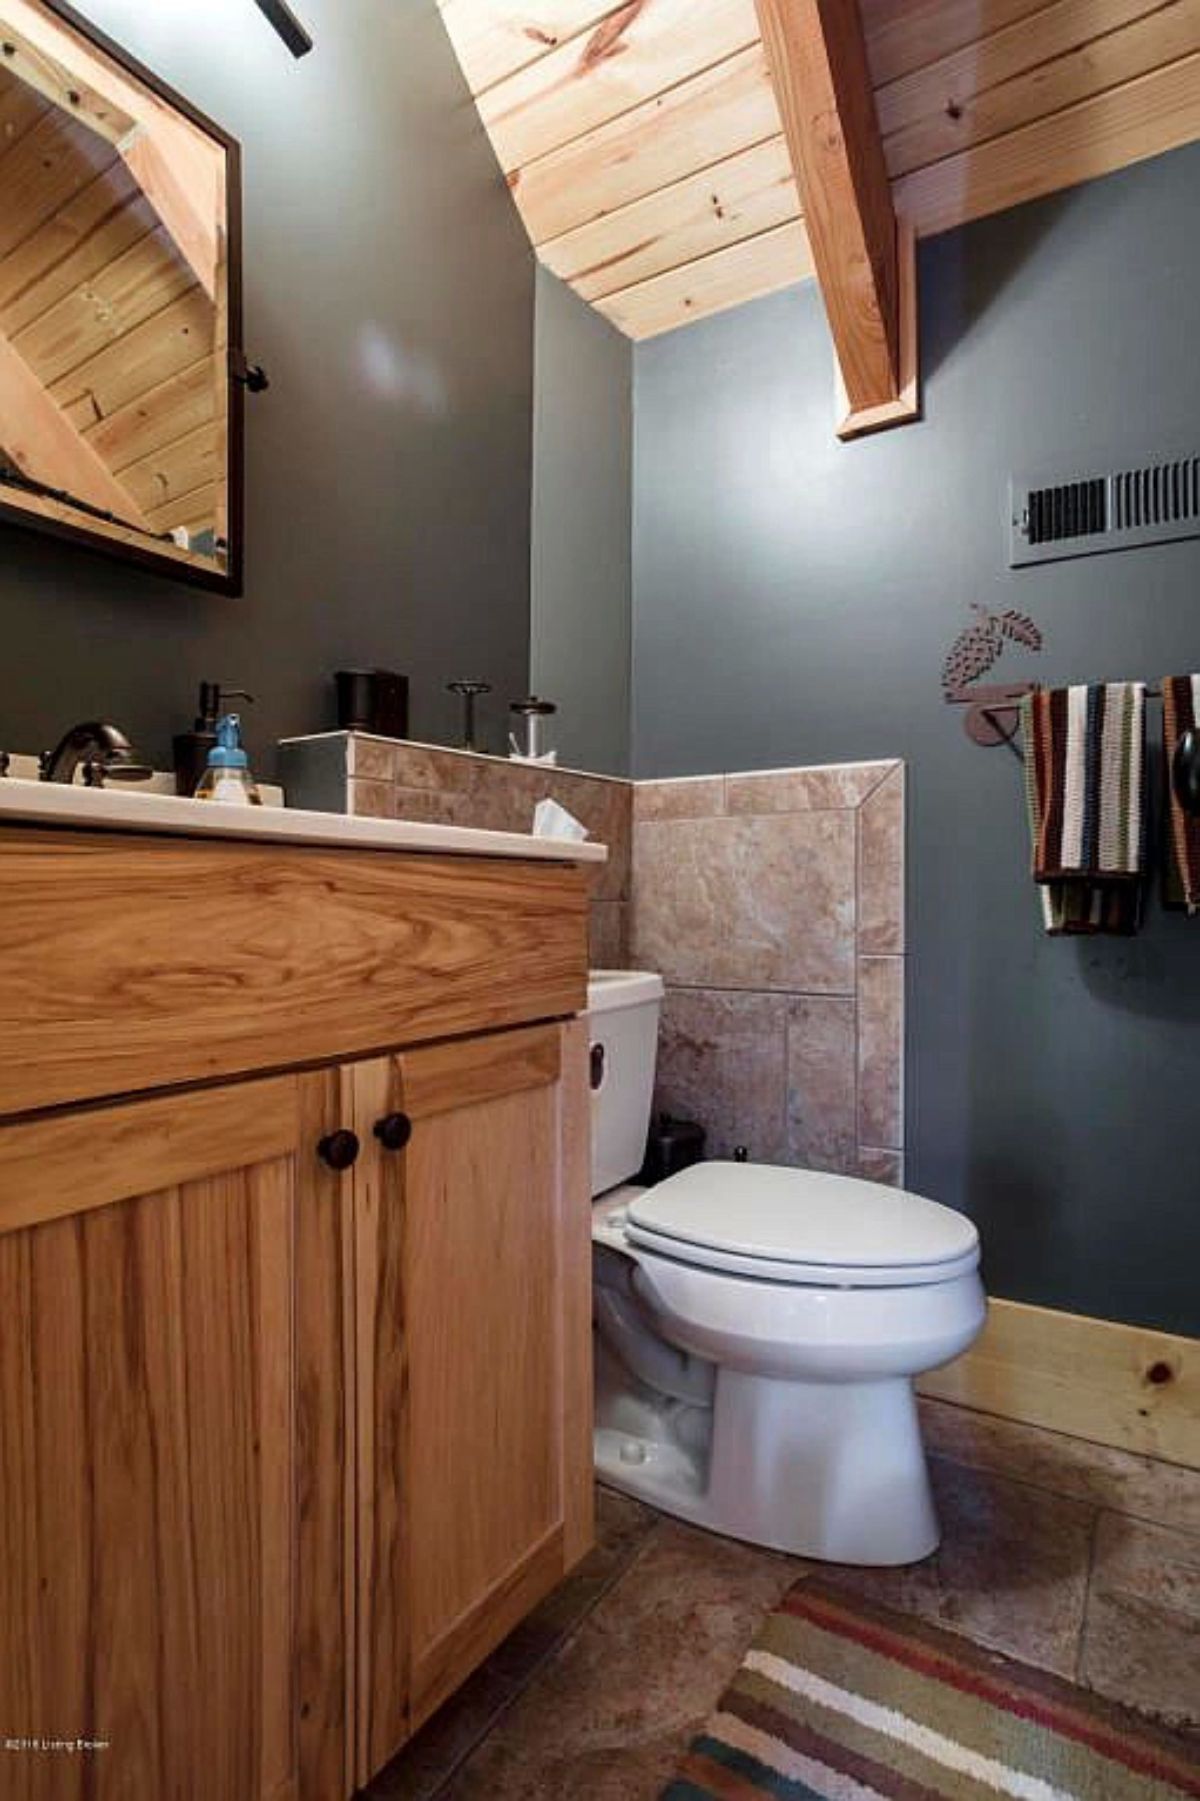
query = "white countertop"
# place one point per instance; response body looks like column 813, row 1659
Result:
column 125, row 809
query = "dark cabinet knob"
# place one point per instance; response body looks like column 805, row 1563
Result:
column 393, row 1131
column 339, row 1149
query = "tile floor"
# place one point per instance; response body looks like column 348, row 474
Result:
column 1086, row 1563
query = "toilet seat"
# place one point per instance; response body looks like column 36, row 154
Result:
column 802, row 1227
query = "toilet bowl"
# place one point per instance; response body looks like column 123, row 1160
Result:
column 758, row 1330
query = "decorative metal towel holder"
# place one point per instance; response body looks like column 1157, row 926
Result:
column 994, row 715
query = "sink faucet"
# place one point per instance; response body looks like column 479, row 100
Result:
column 105, row 752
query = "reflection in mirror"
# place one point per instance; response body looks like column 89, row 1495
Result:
column 118, row 304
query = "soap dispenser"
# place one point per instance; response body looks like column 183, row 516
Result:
column 227, row 778
column 192, row 748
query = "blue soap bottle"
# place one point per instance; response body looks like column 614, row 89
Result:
column 227, row 779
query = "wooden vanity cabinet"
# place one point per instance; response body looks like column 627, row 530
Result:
column 172, row 1430
column 473, row 1311
column 294, row 1425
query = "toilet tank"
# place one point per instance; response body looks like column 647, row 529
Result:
column 623, row 1010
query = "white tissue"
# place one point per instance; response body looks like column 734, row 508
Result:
column 552, row 821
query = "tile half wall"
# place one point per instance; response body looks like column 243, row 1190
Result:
column 773, row 906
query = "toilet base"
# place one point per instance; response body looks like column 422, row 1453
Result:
column 828, row 1470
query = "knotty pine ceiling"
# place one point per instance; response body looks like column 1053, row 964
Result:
column 645, row 152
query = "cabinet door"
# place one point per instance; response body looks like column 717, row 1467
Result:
column 474, row 1307
column 170, row 1395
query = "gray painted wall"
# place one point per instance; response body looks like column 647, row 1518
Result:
column 389, row 292
column 794, row 599
column 582, row 499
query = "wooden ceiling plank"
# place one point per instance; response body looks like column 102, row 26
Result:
column 638, row 52
column 43, row 171
column 20, row 110
column 746, row 194
column 101, row 222
column 132, row 287
column 1074, row 49
column 818, row 61
column 155, row 419
column 161, row 347
column 775, row 259
column 493, row 39
column 903, row 35
column 700, row 123
column 37, row 436
column 1145, row 117
column 174, row 470
column 195, row 511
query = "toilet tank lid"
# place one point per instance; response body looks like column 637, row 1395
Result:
column 609, row 989
column 802, row 1216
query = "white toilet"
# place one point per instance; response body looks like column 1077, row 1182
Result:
column 758, row 1329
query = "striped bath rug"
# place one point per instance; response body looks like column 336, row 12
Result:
column 843, row 1701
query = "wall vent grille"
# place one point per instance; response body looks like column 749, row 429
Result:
column 1120, row 510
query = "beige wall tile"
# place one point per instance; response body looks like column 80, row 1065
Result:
column 881, row 1051
column 371, row 759
column 431, row 807
column 748, row 903
column 822, row 1083
column 881, row 868
column 722, row 1062
column 697, row 797
column 1119, row 1481
column 371, row 800
column 1141, row 1638
column 803, row 790
column 425, row 766
column 875, row 1165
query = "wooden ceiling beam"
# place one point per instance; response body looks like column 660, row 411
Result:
column 818, row 62
column 41, row 441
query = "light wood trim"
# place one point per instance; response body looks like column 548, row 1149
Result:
column 193, row 231
column 65, row 89
column 634, row 53
column 715, row 114
column 1108, row 131
column 907, row 405
column 485, row 1625
column 575, row 1239
column 762, row 265
column 74, row 1162
column 819, row 67
column 741, row 197
column 1126, row 1386
column 465, row 1073
column 307, row 955
column 40, row 439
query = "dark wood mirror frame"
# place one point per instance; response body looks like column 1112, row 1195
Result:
column 176, row 564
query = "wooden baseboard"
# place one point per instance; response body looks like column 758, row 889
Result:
column 1117, row 1385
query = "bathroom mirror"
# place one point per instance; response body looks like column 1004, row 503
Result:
column 120, row 305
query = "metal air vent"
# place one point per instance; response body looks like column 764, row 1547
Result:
column 1119, row 510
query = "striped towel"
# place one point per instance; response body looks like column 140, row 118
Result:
column 1181, row 712
column 1085, row 788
